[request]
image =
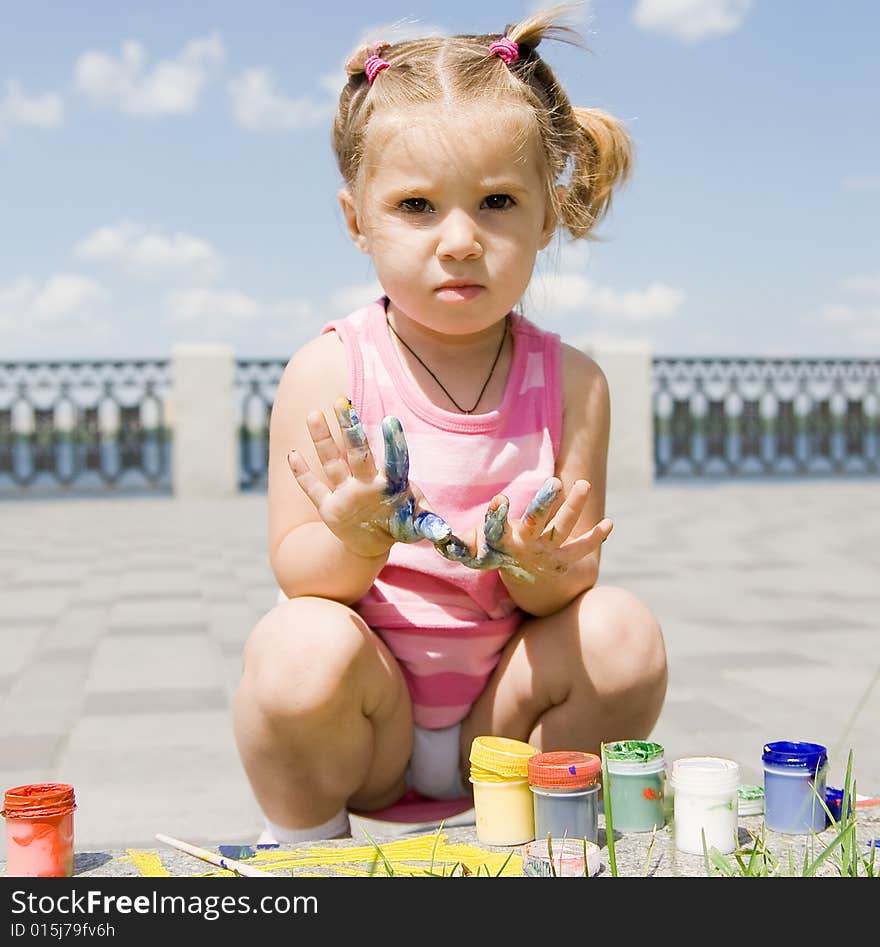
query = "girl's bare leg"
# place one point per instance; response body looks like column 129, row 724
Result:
column 595, row 671
column 322, row 716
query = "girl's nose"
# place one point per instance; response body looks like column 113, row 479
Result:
column 459, row 238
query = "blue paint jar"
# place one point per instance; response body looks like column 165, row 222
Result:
column 834, row 801
column 794, row 787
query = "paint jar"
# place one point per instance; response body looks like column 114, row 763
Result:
column 636, row 785
column 706, row 801
column 565, row 788
column 571, row 858
column 751, row 799
column 503, row 810
column 834, row 801
column 39, row 830
column 794, row 784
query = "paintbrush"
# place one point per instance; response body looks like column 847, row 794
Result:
column 205, row 855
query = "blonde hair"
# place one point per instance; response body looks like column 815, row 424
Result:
column 590, row 142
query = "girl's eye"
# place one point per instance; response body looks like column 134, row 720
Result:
column 499, row 201
column 415, row 205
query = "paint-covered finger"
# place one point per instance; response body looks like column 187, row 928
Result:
column 400, row 522
column 396, row 456
column 456, row 550
column 354, row 437
column 315, row 489
column 568, row 514
column 334, row 465
column 495, row 521
column 538, row 511
column 432, row 527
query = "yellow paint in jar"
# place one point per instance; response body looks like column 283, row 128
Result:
column 503, row 807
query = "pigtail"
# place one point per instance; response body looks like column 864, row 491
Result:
column 602, row 160
column 546, row 24
column 356, row 67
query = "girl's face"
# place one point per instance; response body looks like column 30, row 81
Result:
column 452, row 208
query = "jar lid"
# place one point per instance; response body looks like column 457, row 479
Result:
column 640, row 751
column 798, row 755
column 639, row 757
column 705, row 774
column 38, row 801
column 564, row 769
column 500, row 756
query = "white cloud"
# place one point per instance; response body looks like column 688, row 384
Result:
column 863, row 284
column 862, row 182
column 254, row 328
column 17, row 107
column 31, row 313
column 170, row 87
column 150, row 252
column 258, row 107
column 349, row 298
column 216, row 307
column 858, row 325
column 564, row 293
column 691, row 20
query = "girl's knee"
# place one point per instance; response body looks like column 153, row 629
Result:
column 301, row 658
column 617, row 625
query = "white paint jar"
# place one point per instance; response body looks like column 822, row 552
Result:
column 705, row 800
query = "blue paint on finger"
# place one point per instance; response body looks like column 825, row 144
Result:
column 350, row 424
column 396, row 456
column 400, row 521
column 432, row 527
column 543, row 499
column 494, row 525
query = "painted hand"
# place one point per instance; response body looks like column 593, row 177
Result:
column 540, row 543
column 367, row 510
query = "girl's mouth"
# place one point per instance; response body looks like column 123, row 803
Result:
column 453, row 294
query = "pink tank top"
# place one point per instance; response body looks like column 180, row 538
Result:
column 446, row 624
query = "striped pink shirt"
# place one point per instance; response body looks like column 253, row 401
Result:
column 446, row 624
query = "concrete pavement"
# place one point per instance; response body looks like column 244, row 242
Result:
column 122, row 623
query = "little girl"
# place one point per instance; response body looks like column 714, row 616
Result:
column 419, row 613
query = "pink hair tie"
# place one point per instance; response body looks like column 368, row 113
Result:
column 373, row 66
column 505, row 49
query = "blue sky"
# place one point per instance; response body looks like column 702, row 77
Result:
column 166, row 174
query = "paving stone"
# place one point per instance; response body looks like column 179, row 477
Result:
column 146, row 615
column 155, row 701
column 30, row 751
column 147, row 662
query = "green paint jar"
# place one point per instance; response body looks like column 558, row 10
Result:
column 637, row 783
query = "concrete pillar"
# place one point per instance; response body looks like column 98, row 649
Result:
column 204, row 421
column 628, row 368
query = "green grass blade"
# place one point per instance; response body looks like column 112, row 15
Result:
column 436, row 841
column 375, row 845
column 609, row 820
column 719, row 861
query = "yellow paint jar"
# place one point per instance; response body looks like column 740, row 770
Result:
column 503, row 807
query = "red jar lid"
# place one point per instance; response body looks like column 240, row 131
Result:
column 38, row 801
column 564, row 769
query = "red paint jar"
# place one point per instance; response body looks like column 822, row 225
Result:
column 39, row 830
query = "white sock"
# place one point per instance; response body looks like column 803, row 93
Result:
column 337, row 827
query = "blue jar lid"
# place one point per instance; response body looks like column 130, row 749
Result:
column 808, row 756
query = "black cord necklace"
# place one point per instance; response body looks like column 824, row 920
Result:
column 440, row 383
